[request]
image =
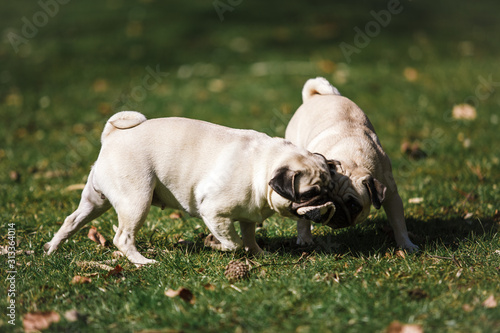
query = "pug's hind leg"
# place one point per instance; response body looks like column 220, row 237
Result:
column 248, row 235
column 130, row 220
column 304, row 235
column 91, row 206
column 224, row 232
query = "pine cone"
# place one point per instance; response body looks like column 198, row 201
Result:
column 236, row 270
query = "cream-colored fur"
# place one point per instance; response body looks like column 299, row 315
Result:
column 334, row 126
column 219, row 174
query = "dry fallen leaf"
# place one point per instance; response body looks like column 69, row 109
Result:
column 187, row 296
column 467, row 308
column 490, row 302
column 209, row 286
column 468, row 216
column 410, row 74
column 326, row 66
column 464, row 111
column 14, row 99
column 96, row 236
column 37, row 321
column 418, row 293
column 400, row 254
column 417, row 153
column 100, row 85
column 496, row 216
column 115, row 271
column 186, row 243
column 72, row 315
column 413, row 150
column 184, row 293
column 397, row 327
column 175, row 215
column 216, row 85
column 14, row 176
column 171, row 293
column 105, row 108
column 78, row 279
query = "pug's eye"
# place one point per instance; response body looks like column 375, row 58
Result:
column 309, row 195
column 354, row 206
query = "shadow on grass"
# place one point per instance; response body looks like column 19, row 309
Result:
column 377, row 238
column 360, row 241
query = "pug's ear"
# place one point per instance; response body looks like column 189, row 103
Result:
column 321, row 155
column 332, row 165
column 376, row 190
column 283, row 183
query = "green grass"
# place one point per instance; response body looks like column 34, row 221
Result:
column 247, row 71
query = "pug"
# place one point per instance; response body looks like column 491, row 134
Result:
column 219, row 174
column 334, row 126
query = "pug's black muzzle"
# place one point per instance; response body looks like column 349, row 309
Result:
column 315, row 215
column 342, row 217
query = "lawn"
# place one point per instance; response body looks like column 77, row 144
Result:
column 67, row 66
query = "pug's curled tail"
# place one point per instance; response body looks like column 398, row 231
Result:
column 318, row 86
column 122, row 120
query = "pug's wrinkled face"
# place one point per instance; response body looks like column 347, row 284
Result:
column 353, row 195
column 302, row 190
